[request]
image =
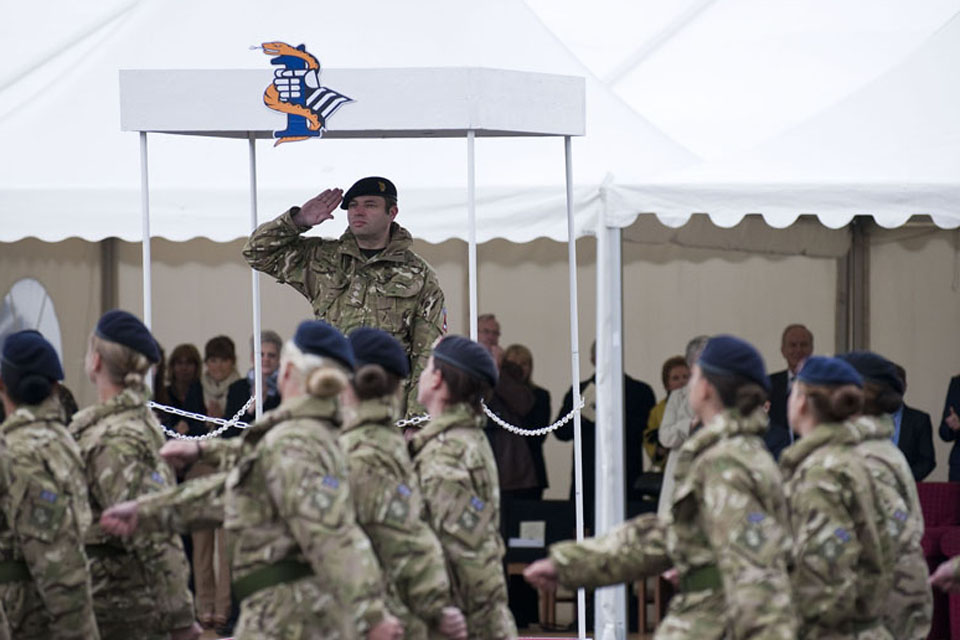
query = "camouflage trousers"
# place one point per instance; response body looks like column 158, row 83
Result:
column 25, row 614
column 124, row 603
column 300, row 610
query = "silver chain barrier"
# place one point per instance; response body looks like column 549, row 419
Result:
column 415, row 420
column 224, row 424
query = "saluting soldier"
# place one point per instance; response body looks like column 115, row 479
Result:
column 726, row 532
column 385, row 492
column 457, row 474
column 139, row 583
column 908, row 612
column 301, row 566
column 840, row 575
column 44, row 581
column 368, row 277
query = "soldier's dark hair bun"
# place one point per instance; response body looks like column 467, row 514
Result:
column 373, row 381
column 32, row 389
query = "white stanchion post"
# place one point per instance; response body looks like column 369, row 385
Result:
column 145, row 240
column 575, row 372
column 472, row 238
column 255, row 282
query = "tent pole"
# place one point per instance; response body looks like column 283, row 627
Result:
column 255, row 282
column 610, row 603
column 575, row 372
column 472, row 238
column 145, row 235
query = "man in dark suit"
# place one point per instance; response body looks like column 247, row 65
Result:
column 950, row 426
column 913, row 433
column 796, row 345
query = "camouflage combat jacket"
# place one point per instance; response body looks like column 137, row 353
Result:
column 839, row 573
column 458, row 479
column 395, row 290
column 140, row 582
column 908, row 613
column 43, row 497
column 726, row 534
column 389, row 508
column 285, row 499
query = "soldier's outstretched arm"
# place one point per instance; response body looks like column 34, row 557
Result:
column 192, row 505
column 752, row 547
column 311, row 494
column 276, row 248
column 635, row 549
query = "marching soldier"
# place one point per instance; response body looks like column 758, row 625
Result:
column 726, row 532
column 458, row 479
column 908, row 612
column 368, row 277
column 139, row 583
column 840, row 576
column 44, row 580
column 385, row 491
column 301, row 566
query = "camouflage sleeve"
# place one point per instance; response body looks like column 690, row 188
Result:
column 751, row 546
column 389, row 511
column 632, row 550
column 428, row 325
column 311, row 494
column 124, row 467
column 836, row 546
column 220, row 453
column 276, row 248
column 52, row 548
column 468, row 530
column 190, row 506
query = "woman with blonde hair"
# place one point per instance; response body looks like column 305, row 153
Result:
column 139, row 583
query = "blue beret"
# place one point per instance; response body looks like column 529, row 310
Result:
column 469, row 356
column 874, row 368
column 125, row 328
column 321, row 339
column 828, row 372
column 376, row 346
column 372, row 186
column 28, row 352
column 729, row 355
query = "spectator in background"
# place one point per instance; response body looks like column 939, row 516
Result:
column 638, row 400
column 488, row 334
column 537, row 417
column 913, row 434
column 184, row 391
column 950, row 426
column 796, row 345
column 674, row 374
column 678, row 423
column 240, row 391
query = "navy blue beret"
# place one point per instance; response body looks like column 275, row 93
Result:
column 376, row 346
column 321, row 339
column 729, row 355
column 125, row 328
column 874, row 368
column 372, row 186
column 28, row 352
column 828, row 372
column 471, row 357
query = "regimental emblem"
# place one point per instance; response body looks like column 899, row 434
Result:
column 296, row 92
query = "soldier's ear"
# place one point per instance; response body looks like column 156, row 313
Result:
column 393, row 211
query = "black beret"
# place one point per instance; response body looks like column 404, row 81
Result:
column 728, row 355
column 376, row 346
column 470, row 356
column 321, row 339
column 372, row 186
column 125, row 328
column 828, row 372
column 28, row 352
column 874, row 368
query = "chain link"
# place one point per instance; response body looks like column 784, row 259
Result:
column 224, row 424
column 415, row 420
column 412, row 422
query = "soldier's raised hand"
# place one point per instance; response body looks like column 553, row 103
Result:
column 542, row 574
column 180, row 454
column 120, row 519
column 452, row 624
column 319, row 208
column 390, row 628
column 946, row 577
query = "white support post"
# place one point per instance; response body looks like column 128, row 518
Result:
column 145, row 236
column 610, row 603
column 472, row 238
column 255, row 283
column 575, row 372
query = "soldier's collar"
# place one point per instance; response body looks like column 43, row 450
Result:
column 379, row 411
column 126, row 400
column 823, row 435
column 305, row 406
column 48, row 410
column 459, row 415
column 400, row 240
column 872, row 427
